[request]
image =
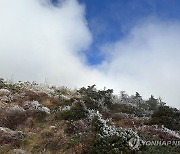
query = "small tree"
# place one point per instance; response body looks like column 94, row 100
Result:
column 96, row 99
column 152, row 103
column 1, row 83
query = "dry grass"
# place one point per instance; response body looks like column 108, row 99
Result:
column 47, row 139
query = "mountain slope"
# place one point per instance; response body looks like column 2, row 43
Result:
column 47, row 119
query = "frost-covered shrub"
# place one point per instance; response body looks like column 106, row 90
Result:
column 4, row 92
column 170, row 132
column 65, row 108
column 96, row 99
column 107, row 136
column 17, row 108
column 37, row 88
column 128, row 109
column 5, row 95
column 34, row 105
column 137, row 102
column 104, row 129
column 16, row 96
column 76, row 112
column 77, row 127
column 5, row 99
column 64, row 97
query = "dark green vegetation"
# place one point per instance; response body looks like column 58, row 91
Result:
column 41, row 119
column 167, row 116
column 77, row 112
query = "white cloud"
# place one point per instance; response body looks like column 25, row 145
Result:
column 39, row 41
column 147, row 61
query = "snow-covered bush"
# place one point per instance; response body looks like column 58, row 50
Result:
column 96, row 99
column 16, row 108
column 5, row 99
column 170, row 132
column 63, row 97
column 106, row 129
column 37, row 88
column 4, row 92
column 64, row 108
column 76, row 112
column 107, row 137
column 34, row 105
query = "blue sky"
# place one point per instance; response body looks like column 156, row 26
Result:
column 129, row 45
column 110, row 20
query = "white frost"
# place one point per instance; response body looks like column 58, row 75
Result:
column 34, row 105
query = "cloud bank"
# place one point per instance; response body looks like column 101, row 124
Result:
column 39, row 41
column 147, row 60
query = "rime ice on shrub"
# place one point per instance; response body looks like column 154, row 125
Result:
column 34, row 105
column 17, row 108
column 38, row 88
column 63, row 97
column 111, row 130
column 4, row 92
column 65, row 108
column 5, row 99
column 170, row 132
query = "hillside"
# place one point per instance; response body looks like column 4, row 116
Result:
column 38, row 118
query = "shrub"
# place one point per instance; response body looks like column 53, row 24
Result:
column 108, row 145
column 76, row 112
column 2, row 84
column 108, row 138
column 125, row 108
column 73, row 141
column 12, row 119
column 152, row 103
column 167, row 116
column 161, row 149
column 38, row 115
column 96, row 99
